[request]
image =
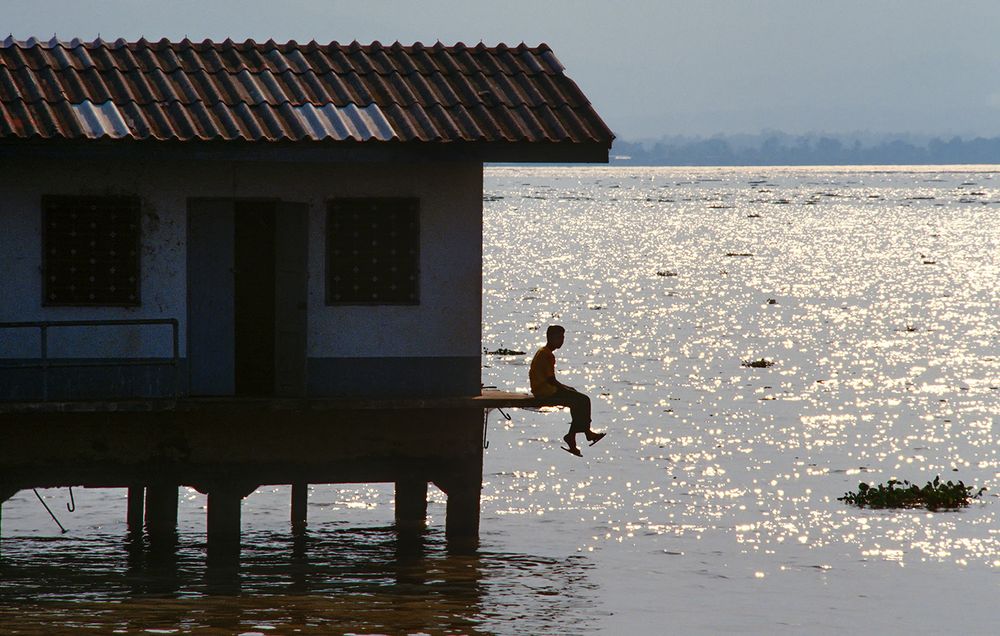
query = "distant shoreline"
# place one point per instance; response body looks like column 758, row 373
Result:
column 847, row 167
column 620, row 163
column 779, row 149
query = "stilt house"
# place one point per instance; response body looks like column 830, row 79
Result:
column 229, row 264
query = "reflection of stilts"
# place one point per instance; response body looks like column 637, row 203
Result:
column 334, row 579
column 153, row 568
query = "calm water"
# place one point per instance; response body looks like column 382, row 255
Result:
column 711, row 507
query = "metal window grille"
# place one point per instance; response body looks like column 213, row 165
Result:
column 91, row 251
column 373, row 251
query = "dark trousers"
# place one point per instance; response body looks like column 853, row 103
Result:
column 579, row 407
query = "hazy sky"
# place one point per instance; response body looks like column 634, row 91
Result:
column 651, row 68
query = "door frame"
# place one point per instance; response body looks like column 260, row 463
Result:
column 291, row 248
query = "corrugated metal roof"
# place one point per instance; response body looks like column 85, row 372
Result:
column 271, row 92
column 100, row 120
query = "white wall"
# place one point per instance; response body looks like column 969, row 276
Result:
column 447, row 322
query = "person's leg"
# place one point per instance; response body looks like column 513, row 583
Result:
column 579, row 405
column 579, row 408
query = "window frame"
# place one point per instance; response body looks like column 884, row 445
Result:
column 411, row 204
column 134, row 204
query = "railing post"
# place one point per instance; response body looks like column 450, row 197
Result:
column 177, row 348
column 45, row 361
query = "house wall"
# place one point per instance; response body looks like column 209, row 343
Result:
column 433, row 347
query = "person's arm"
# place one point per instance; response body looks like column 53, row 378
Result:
column 551, row 379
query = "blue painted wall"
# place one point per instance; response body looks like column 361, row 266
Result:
column 426, row 348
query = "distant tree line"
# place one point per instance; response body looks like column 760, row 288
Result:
column 777, row 149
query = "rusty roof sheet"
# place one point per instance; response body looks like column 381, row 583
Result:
column 272, row 92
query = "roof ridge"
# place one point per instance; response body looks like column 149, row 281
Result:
column 376, row 45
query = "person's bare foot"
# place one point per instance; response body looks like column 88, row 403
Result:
column 570, row 439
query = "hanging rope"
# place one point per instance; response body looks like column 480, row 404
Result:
column 486, row 417
column 49, row 510
column 486, row 421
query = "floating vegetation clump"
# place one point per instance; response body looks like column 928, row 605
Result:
column 666, row 273
column 502, row 351
column 902, row 494
column 738, row 254
column 757, row 364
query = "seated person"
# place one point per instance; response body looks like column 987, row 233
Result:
column 544, row 385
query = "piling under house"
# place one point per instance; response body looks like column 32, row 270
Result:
column 235, row 264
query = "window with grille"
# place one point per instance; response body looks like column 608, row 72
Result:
column 91, row 250
column 373, row 251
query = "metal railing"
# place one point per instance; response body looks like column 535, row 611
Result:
column 45, row 362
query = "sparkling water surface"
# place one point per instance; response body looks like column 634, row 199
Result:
column 712, row 505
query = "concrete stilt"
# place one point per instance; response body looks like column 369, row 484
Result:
column 463, row 511
column 224, row 504
column 161, row 513
column 462, row 522
column 5, row 494
column 411, row 502
column 136, row 503
column 300, row 499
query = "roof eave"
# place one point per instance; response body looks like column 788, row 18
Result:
column 309, row 151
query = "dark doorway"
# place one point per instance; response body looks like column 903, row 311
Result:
column 247, row 297
column 254, row 283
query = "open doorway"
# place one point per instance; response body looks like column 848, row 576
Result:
column 253, row 291
column 247, row 287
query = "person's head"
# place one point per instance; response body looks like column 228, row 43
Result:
column 554, row 336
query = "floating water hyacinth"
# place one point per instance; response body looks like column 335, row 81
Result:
column 902, row 494
column 502, row 351
column 757, row 364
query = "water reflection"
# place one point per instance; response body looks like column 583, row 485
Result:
column 371, row 580
column 874, row 292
